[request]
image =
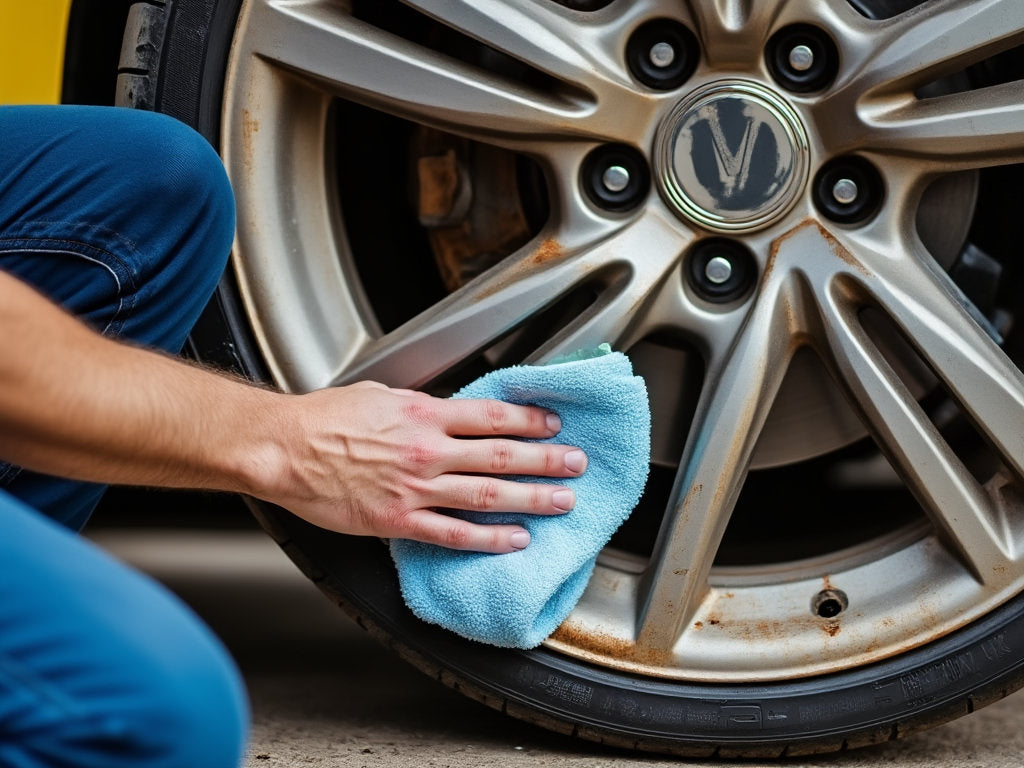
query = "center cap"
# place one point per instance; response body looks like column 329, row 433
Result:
column 732, row 156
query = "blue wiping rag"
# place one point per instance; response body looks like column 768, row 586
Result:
column 516, row 600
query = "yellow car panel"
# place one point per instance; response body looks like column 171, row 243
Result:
column 32, row 34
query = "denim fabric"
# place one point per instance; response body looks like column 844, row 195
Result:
column 126, row 219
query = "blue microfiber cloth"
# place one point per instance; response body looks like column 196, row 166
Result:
column 516, row 600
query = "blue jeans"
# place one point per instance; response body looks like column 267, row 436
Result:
column 126, row 219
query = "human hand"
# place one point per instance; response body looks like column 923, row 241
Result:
column 368, row 459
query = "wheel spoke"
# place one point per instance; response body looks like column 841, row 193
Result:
column 735, row 400
column 978, row 375
column 936, row 39
column 874, row 104
column 355, row 60
column 542, row 35
column 511, row 293
column 733, row 32
column 989, row 388
column 958, row 132
column 620, row 315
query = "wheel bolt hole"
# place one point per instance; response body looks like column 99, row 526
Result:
column 721, row 270
column 848, row 190
column 615, row 177
column 802, row 58
column 829, row 603
column 662, row 54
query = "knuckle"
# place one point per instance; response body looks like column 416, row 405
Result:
column 501, row 458
column 496, row 416
column 419, row 411
column 486, row 495
column 456, row 537
column 553, row 463
column 538, row 499
column 420, row 455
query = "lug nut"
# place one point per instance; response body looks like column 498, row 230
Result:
column 718, row 270
column 848, row 190
column 721, row 270
column 662, row 54
column 615, row 178
column 801, row 58
column 845, row 191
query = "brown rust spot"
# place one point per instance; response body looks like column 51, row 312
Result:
column 250, row 127
column 601, row 644
column 698, row 625
column 549, row 250
column 438, row 177
column 837, row 248
column 831, row 628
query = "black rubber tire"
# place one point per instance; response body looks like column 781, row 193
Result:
column 173, row 60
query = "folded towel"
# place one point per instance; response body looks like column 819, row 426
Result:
column 516, row 600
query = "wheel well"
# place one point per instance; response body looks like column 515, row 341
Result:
column 95, row 28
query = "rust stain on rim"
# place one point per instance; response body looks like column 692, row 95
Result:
column 602, row 644
column 548, row 251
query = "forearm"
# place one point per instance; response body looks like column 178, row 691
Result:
column 76, row 404
column 362, row 459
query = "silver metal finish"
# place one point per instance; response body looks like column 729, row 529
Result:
column 662, row 55
column 801, row 58
column 676, row 614
column 732, row 156
column 845, row 191
column 718, row 270
column 615, row 178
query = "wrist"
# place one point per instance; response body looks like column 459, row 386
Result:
column 256, row 458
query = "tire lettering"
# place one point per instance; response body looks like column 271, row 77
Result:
column 571, row 691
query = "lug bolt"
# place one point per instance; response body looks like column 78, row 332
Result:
column 845, row 191
column 615, row 178
column 848, row 189
column 662, row 54
column 718, row 270
column 801, row 58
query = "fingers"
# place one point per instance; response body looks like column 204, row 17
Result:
column 491, row 494
column 513, row 457
column 494, row 417
column 453, row 533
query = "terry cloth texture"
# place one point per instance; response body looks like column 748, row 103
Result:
column 516, row 600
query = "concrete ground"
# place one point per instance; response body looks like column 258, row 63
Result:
column 326, row 695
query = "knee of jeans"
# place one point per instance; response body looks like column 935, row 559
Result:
column 186, row 714
column 182, row 208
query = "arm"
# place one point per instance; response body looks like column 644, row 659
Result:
column 363, row 459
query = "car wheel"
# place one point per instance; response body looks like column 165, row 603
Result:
column 798, row 218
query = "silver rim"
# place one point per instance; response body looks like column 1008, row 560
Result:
column 673, row 614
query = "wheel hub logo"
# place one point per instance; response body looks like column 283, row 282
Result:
column 733, row 156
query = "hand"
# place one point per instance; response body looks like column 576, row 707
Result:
column 367, row 459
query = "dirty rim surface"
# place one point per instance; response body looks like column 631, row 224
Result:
column 671, row 612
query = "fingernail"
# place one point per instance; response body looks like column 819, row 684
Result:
column 563, row 499
column 554, row 423
column 575, row 460
column 520, row 539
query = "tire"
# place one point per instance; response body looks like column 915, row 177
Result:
column 929, row 660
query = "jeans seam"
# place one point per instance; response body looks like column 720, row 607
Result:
column 123, row 297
